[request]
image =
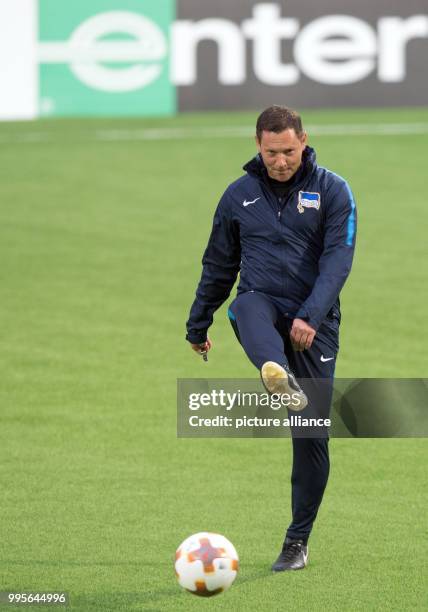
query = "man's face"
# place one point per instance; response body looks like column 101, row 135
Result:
column 282, row 153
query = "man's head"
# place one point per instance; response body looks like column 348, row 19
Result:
column 281, row 141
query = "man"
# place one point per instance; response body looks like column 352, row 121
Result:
column 288, row 226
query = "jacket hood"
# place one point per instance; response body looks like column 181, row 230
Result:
column 256, row 168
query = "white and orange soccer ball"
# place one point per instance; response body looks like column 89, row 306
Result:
column 206, row 564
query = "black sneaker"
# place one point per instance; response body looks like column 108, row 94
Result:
column 279, row 379
column 294, row 556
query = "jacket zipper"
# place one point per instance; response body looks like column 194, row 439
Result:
column 282, row 204
column 283, row 269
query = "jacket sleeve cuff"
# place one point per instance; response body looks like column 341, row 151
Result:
column 305, row 316
column 196, row 337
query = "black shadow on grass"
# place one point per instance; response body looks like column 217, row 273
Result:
column 258, row 571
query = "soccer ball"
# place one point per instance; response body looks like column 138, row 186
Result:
column 206, row 564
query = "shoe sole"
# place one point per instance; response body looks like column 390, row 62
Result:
column 289, row 569
column 276, row 380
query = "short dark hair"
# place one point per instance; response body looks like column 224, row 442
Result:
column 277, row 119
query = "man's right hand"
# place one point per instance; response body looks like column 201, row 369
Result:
column 202, row 348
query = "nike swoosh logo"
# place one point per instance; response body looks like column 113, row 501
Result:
column 245, row 203
column 324, row 359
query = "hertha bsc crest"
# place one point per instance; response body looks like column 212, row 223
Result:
column 308, row 199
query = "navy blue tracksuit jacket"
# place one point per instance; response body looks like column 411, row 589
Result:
column 299, row 250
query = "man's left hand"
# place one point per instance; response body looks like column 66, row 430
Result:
column 301, row 335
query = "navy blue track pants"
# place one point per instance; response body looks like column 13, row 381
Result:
column 262, row 326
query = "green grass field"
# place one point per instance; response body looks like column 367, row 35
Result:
column 102, row 228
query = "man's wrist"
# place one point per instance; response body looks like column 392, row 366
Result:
column 305, row 316
column 196, row 337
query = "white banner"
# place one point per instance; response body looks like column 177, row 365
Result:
column 18, row 65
